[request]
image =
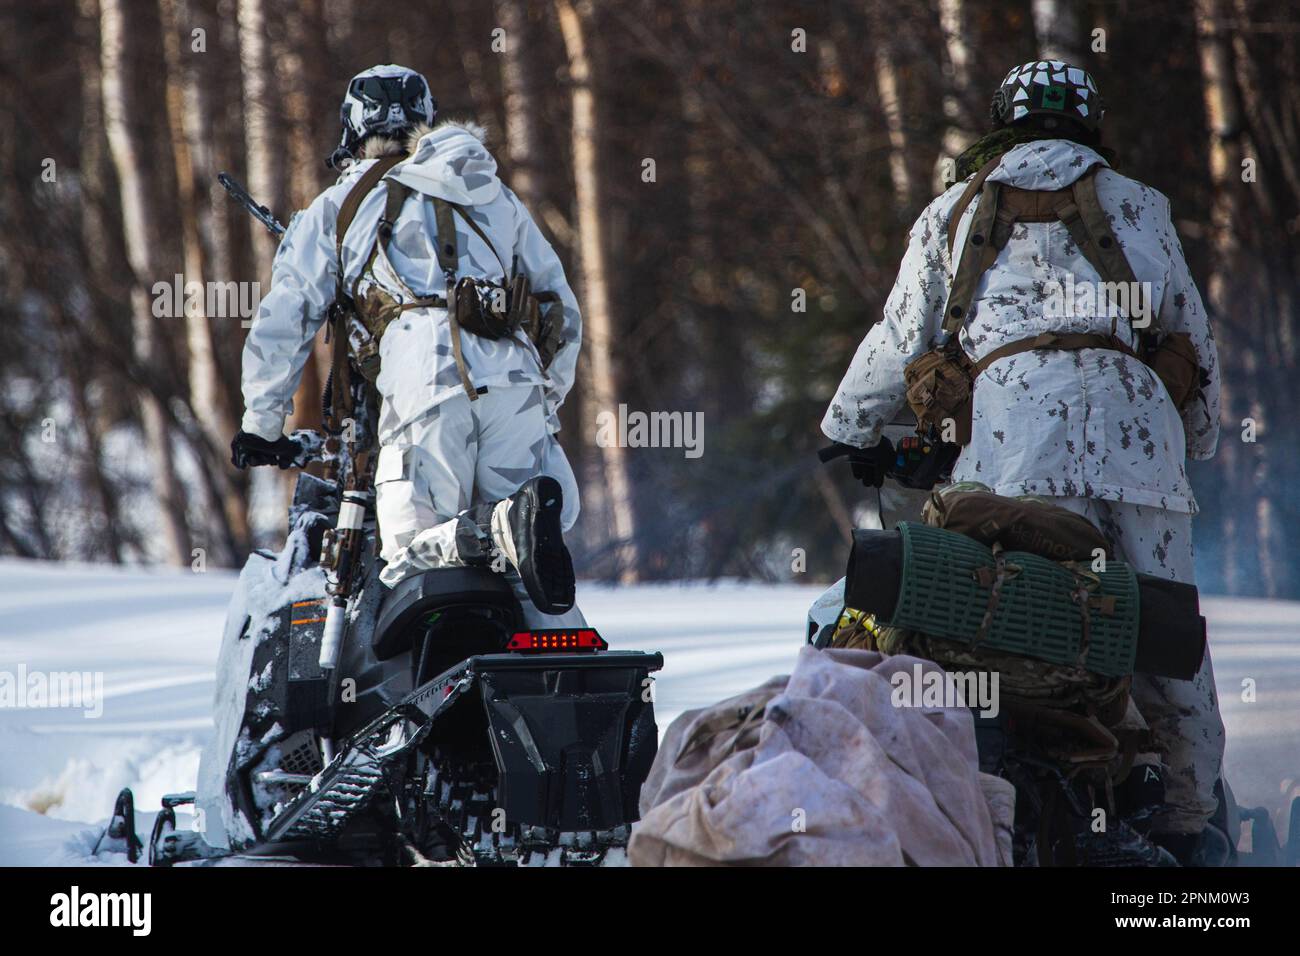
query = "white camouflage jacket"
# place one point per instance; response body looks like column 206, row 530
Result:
column 418, row 370
column 1093, row 423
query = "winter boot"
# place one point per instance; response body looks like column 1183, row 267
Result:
column 524, row 531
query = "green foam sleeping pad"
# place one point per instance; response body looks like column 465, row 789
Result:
column 947, row 584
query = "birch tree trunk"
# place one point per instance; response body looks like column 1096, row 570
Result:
column 887, row 82
column 302, row 51
column 93, row 169
column 268, row 151
column 1223, row 117
column 603, row 384
column 1058, row 30
column 189, row 130
column 119, row 24
column 265, row 145
column 521, row 108
column 957, row 133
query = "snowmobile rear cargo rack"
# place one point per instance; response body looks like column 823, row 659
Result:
column 582, row 781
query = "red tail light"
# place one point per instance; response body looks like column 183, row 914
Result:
column 558, row 639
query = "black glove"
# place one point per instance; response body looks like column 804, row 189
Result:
column 870, row 465
column 247, row 449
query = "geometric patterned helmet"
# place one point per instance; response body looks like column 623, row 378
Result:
column 382, row 99
column 1048, row 88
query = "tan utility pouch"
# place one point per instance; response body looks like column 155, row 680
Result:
column 939, row 389
column 1175, row 363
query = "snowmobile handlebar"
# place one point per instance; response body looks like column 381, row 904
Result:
column 832, row 451
column 919, row 463
column 311, row 447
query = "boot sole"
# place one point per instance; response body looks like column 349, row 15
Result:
column 552, row 565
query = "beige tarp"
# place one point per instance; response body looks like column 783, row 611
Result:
column 822, row 768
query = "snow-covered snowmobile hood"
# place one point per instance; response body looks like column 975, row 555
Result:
column 451, row 163
column 1045, row 164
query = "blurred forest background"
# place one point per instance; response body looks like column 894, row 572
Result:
column 793, row 143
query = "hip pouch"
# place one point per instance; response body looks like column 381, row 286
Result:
column 940, row 388
column 1175, row 363
column 481, row 308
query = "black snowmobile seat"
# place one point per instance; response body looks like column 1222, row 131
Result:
column 441, row 589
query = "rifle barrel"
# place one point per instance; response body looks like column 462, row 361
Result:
column 259, row 212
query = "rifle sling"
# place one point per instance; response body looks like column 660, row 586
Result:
column 341, row 405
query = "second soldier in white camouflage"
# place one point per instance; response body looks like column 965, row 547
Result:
column 1093, row 428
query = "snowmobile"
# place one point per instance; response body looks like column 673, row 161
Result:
column 446, row 731
column 1080, row 798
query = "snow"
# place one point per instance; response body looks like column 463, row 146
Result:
column 154, row 636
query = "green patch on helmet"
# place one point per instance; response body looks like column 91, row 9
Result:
column 1054, row 97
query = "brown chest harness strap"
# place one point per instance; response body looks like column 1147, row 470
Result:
column 449, row 261
column 1062, row 341
column 341, row 388
column 1000, row 208
column 348, row 211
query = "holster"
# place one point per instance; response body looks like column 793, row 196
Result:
column 526, row 313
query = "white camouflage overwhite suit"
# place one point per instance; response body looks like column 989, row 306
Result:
column 1094, row 428
column 439, row 453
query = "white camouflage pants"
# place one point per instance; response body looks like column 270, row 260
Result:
column 1183, row 715
column 457, row 455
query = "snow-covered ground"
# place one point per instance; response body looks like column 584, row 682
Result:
column 153, row 636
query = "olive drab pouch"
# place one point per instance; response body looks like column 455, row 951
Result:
column 526, row 313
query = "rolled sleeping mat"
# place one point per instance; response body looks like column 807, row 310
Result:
column 1164, row 635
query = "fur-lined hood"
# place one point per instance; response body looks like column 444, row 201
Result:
column 449, row 161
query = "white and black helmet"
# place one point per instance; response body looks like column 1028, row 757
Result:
column 1051, row 89
column 382, row 99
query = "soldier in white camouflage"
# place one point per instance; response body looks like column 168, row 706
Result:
column 1094, row 429
column 469, row 468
